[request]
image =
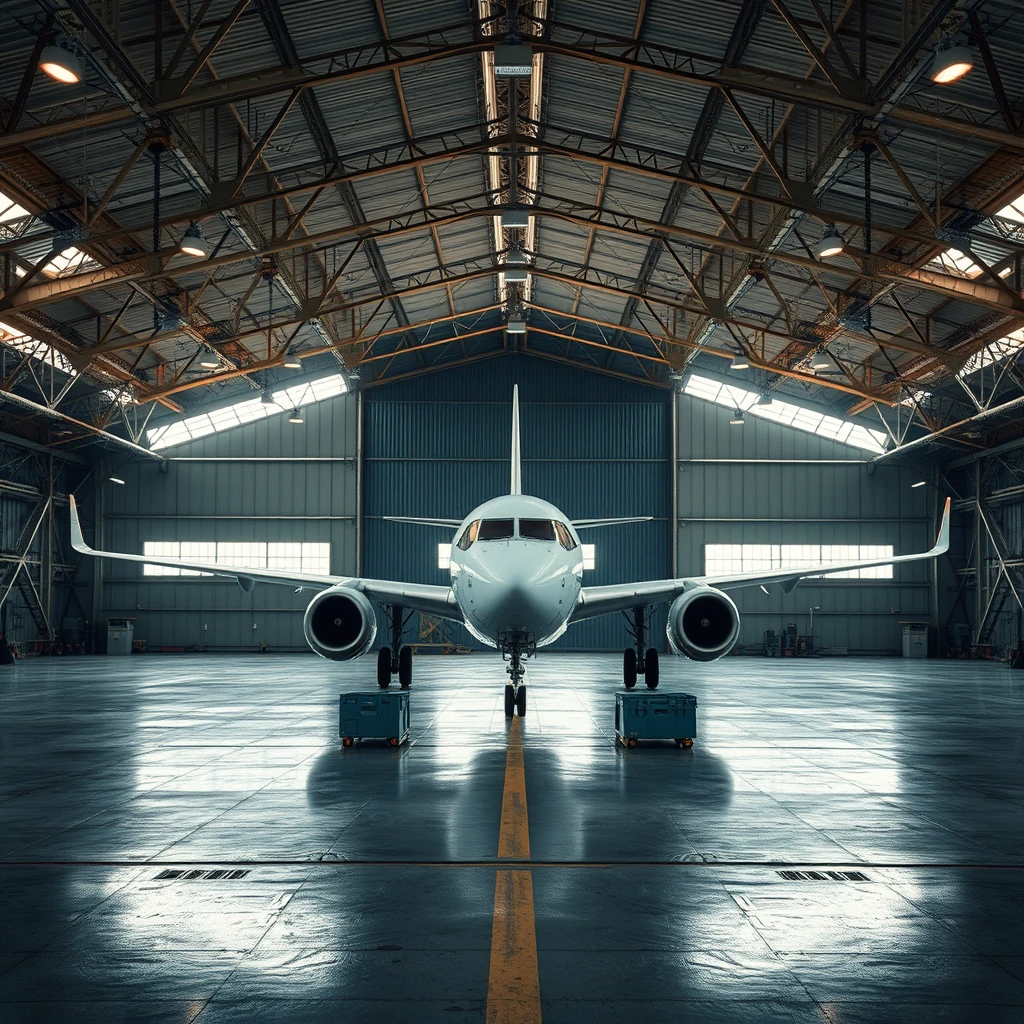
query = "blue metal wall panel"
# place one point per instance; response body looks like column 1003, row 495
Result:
column 594, row 446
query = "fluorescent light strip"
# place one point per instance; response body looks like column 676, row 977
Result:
column 285, row 400
column 829, row 427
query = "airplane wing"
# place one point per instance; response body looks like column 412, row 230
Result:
column 450, row 524
column 623, row 596
column 586, row 524
column 419, row 597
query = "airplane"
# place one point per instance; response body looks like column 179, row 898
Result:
column 517, row 585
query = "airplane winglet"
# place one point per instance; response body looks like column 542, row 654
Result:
column 77, row 538
column 942, row 541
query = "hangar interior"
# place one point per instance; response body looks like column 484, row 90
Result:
column 269, row 273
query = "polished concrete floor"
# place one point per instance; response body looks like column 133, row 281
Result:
column 370, row 893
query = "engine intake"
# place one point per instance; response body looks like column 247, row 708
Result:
column 339, row 624
column 703, row 624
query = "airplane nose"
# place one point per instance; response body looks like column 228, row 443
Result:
column 515, row 594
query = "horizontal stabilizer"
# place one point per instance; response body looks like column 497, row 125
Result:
column 450, row 524
column 586, row 524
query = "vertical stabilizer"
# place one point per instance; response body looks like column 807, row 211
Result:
column 517, row 467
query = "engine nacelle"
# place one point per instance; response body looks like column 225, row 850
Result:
column 703, row 624
column 339, row 624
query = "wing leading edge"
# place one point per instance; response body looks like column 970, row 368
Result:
column 620, row 597
column 419, row 597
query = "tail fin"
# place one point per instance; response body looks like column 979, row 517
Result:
column 517, row 466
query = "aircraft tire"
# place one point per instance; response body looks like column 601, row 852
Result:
column 521, row 701
column 510, row 701
column 652, row 674
column 629, row 668
column 384, row 668
column 405, row 666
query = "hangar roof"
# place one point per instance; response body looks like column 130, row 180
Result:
column 347, row 164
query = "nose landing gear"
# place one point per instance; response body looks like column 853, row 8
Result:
column 640, row 659
column 516, row 647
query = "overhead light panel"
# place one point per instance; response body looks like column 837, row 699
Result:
column 516, row 257
column 292, row 362
column 830, row 244
column 295, row 417
column 765, row 398
column 517, row 325
column 60, row 64
column 267, row 398
column 950, row 64
column 116, row 480
column 821, row 363
column 737, row 418
column 515, row 216
column 739, row 362
column 516, row 275
column 513, row 60
column 210, row 361
column 920, row 483
column 192, row 242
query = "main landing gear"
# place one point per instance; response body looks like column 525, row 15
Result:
column 637, row 660
column 396, row 657
column 516, row 648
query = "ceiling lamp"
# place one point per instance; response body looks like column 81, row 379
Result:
column 515, row 216
column 830, row 244
column 193, row 243
column 60, row 64
column 118, row 480
column 739, row 362
column 292, row 361
column 295, row 417
column 920, row 483
column 512, row 60
column 950, row 64
column 267, row 398
column 765, row 398
column 515, row 275
column 821, row 363
column 516, row 325
column 737, row 418
column 210, row 360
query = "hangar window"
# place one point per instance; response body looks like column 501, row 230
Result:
column 831, row 427
column 724, row 559
column 444, row 556
column 469, row 535
column 536, row 529
column 193, row 427
column 288, row 556
column 496, row 529
column 588, row 556
column 564, row 536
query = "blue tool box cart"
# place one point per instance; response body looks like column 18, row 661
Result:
column 378, row 715
column 655, row 716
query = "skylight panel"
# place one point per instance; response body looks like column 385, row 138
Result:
column 70, row 261
column 248, row 411
column 786, row 413
column 10, row 211
column 953, row 261
column 994, row 353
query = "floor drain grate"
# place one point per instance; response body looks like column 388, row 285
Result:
column 183, row 874
column 824, row 876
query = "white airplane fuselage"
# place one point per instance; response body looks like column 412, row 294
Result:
column 514, row 575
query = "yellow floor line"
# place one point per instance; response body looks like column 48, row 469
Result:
column 513, row 986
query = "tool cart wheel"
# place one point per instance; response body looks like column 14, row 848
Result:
column 346, row 741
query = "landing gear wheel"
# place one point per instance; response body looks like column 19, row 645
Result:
column 521, row 700
column 384, row 668
column 651, row 674
column 629, row 668
column 510, row 701
column 405, row 666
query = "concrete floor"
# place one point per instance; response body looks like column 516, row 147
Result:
column 371, row 886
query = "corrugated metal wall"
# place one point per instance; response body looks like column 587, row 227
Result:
column 765, row 483
column 594, row 446
column 267, row 481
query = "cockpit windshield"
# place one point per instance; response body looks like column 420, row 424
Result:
column 496, row 529
column 536, row 529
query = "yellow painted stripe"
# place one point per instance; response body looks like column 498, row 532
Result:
column 513, row 985
column 514, row 837
column 513, row 988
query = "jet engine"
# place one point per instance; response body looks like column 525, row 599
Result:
column 703, row 624
column 339, row 624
